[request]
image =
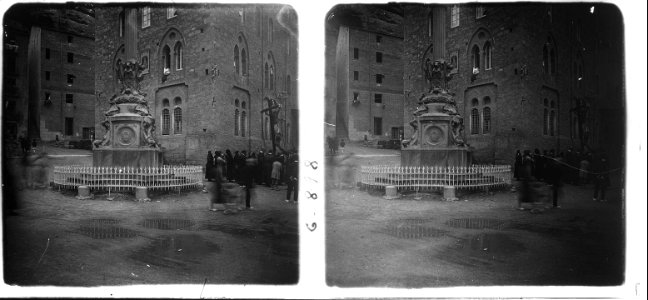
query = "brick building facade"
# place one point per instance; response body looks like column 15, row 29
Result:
column 369, row 85
column 208, row 72
column 62, row 44
column 546, row 76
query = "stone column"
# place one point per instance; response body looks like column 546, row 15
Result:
column 34, row 85
column 439, row 32
column 130, row 33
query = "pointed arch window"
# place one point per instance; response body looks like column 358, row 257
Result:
column 487, row 120
column 166, row 117
column 243, row 122
column 178, row 55
column 474, row 121
column 475, row 57
column 166, row 58
column 237, row 122
column 177, row 120
column 236, row 60
column 488, row 49
column 244, row 66
column 272, row 78
column 266, row 75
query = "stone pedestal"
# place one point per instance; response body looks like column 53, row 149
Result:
column 84, row 193
column 136, row 157
column 449, row 193
column 141, row 194
column 391, row 192
column 440, row 157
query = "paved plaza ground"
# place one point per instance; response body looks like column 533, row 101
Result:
column 56, row 239
column 480, row 240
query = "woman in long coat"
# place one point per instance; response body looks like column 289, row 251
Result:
column 209, row 166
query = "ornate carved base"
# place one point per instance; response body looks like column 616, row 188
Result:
column 142, row 157
column 442, row 157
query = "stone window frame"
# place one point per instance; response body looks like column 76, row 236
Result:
column 379, row 57
column 47, row 53
column 145, row 61
column 172, row 12
column 480, row 11
column 356, row 53
column 549, row 57
column 173, row 60
column 69, row 98
column 475, row 117
column 549, row 117
column 454, row 61
column 241, row 57
column 146, row 17
column 455, row 16
column 270, row 72
column 486, row 118
column 487, row 52
column 166, row 117
column 378, row 98
column 176, row 121
column 475, row 47
column 48, row 75
column 70, row 79
column 380, row 79
column 70, row 57
column 356, row 75
column 178, row 55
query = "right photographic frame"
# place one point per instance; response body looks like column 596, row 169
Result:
column 475, row 144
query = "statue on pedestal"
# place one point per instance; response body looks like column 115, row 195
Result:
column 437, row 112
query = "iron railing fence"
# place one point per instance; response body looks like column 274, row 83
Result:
column 128, row 178
column 433, row 177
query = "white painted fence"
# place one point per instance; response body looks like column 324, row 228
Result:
column 127, row 178
column 431, row 177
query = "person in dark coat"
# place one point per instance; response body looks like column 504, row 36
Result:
column 260, row 167
column 526, row 194
column 555, row 174
column 209, row 167
column 292, row 174
column 247, row 176
column 601, row 175
column 517, row 167
column 267, row 168
column 229, row 159
column 217, row 187
column 538, row 169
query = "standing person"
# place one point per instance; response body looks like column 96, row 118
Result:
column 275, row 175
column 584, row 170
column 601, row 178
column 342, row 144
column 517, row 167
column 260, row 167
column 292, row 171
column 555, row 172
column 526, row 195
column 229, row 159
column 537, row 165
column 248, row 180
column 267, row 169
column 217, row 190
column 209, row 167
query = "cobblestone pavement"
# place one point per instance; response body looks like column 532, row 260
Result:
column 56, row 239
column 483, row 239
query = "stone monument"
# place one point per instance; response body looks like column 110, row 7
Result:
column 438, row 138
column 128, row 138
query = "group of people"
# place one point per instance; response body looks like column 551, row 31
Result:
column 572, row 167
column 270, row 169
column 335, row 145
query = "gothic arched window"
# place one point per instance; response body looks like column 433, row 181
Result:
column 487, row 55
column 236, row 60
column 178, row 55
column 475, row 57
column 166, row 58
column 474, row 121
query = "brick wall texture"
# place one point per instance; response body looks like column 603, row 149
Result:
column 516, row 83
column 208, row 86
